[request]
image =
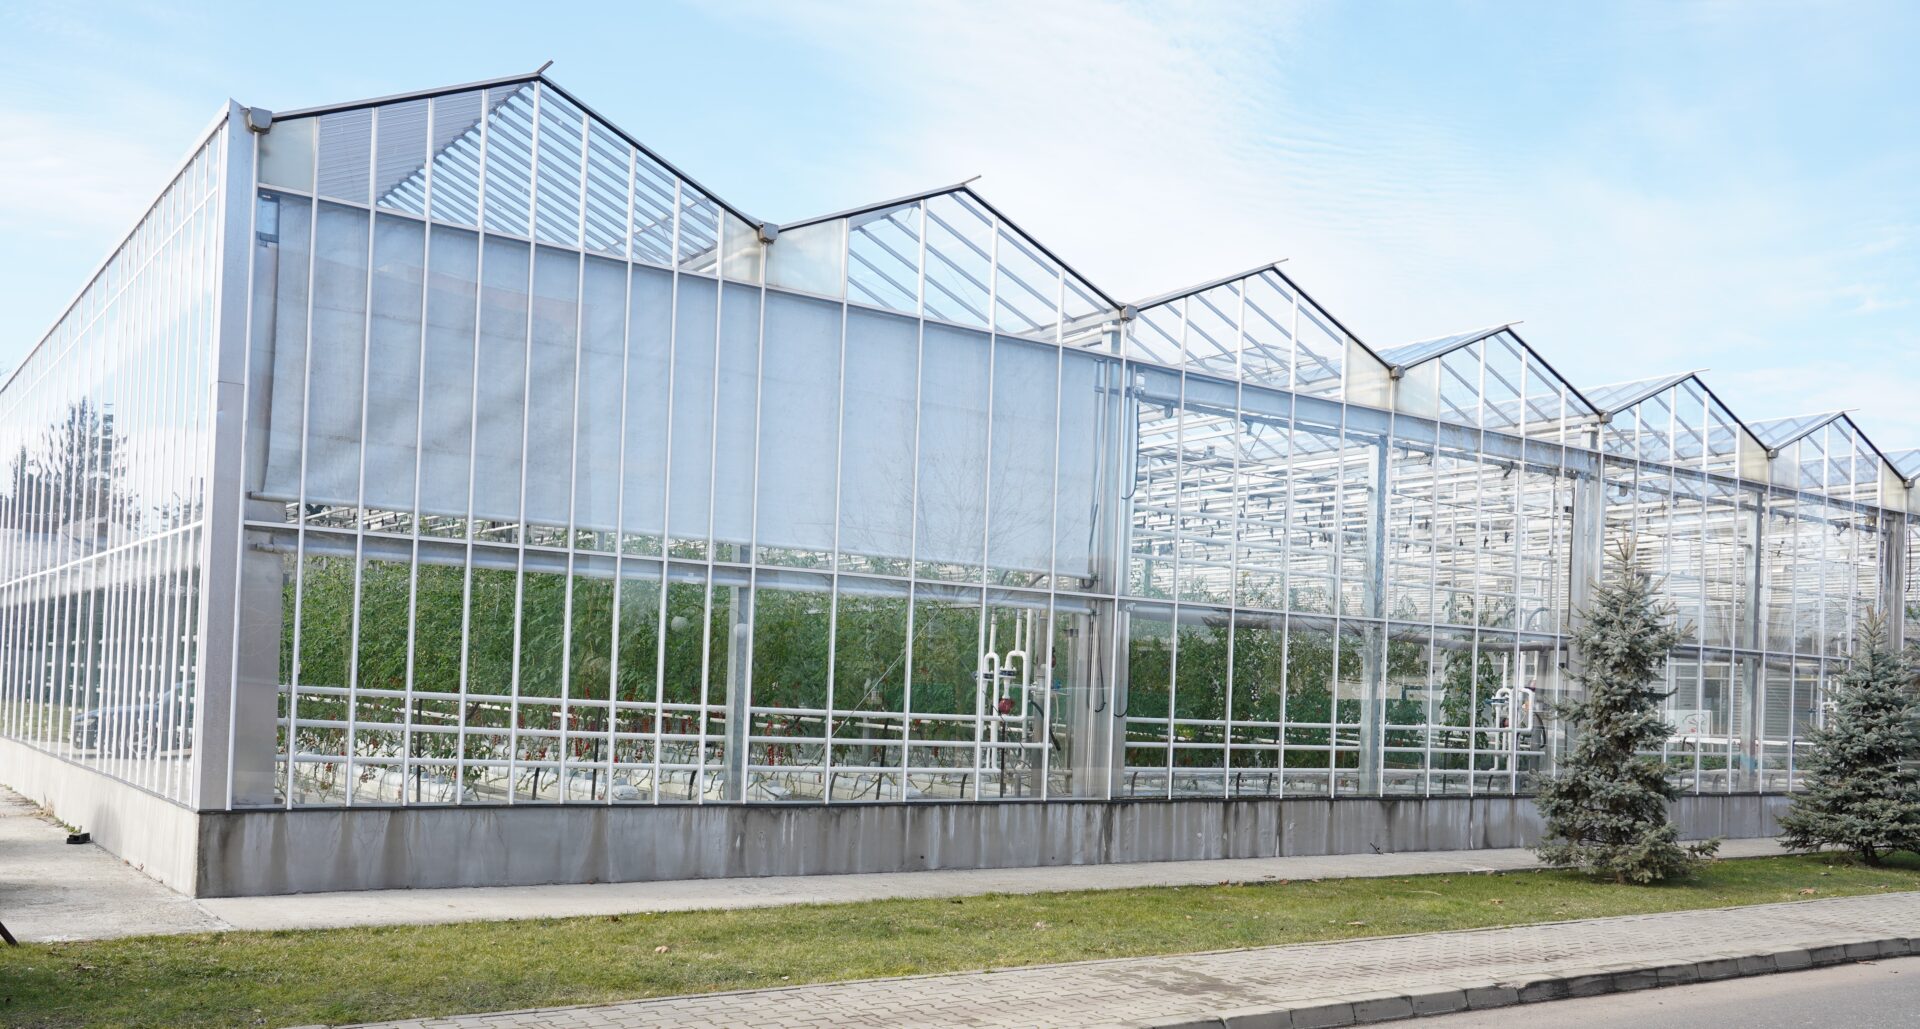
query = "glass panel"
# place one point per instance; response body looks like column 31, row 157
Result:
column 401, row 134
column 509, row 159
column 868, row 723
column 393, row 391
column 551, row 374
column 556, row 215
column 456, row 158
column 792, row 656
column 1147, row 715
column 1087, row 394
column 799, row 422
column 1155, row 473
column 655, row 201
column 378, row 706
column 745, row 254
column 1213, row 331
column 286, row 154
column 1016, row 701
column 695, row 348
column 643, row 476
column 346, row 155
column 959, row 264
column 1308, row 707
column 1026, row 289
column 637, row 697
column 877, row 450
column 446, row 415
column 601, row 384
column 699, row 231
column 883, row 258
column 1021, row 485
column 336, row 363
column 500, row 378
column 734, row 430
column 1201, row 671
column 281, row 277
column 604, row 213
column 944, row 690
column 1258, row 697
column 950, row 490
column 809, row 258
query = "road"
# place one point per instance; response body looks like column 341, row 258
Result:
column 1875, row 995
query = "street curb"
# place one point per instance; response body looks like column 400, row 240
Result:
column 1373, row 1008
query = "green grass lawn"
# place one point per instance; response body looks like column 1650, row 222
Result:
column 354, row 975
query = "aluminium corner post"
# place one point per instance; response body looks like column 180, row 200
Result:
column 222, row 740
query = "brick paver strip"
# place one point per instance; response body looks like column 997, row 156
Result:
column 1322, row 984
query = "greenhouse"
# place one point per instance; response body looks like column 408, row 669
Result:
column 422, row 460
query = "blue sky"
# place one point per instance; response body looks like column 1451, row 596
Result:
column 1651, row 187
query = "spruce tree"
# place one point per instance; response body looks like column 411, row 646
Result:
column 1606, row 808
column 1862, row 791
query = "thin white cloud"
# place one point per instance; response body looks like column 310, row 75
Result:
column 64, row 178
column 1156, row 146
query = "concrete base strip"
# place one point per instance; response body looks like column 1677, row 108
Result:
column 495, row 903
column 1307, row 986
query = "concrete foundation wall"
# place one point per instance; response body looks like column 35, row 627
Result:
column 157, row 836
column 271, row 852
column 244, row 853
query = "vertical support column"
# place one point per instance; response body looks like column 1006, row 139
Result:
column 1586, row 560
column 1897, row 610
column 214, row 729
column 1120, row 413
column 1373, row 709
column 1751, row 634
column 256, row 668
column 1893, row 559
column 1587, row 555
column 738, row 646
column 1750, row 677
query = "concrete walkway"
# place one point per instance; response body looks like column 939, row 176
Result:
column 50, row 890
column 1301, row 987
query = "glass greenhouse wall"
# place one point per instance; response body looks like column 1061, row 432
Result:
column 545, row 476
column 104, row 429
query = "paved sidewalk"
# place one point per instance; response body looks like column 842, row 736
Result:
column 1303, row 986
column 50, row 890
column 393, row 907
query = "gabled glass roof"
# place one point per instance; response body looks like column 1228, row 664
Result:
column 1621, row 395
column 1906, row 463
column 1672, row 419
column 1778, row 432
column 1489, row 378
column 1826, row 453
column 1408, row 354
column 1258, row 326
column 518, row 156
column 946, row 253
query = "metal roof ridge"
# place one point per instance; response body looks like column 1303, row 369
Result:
column 403, row 97
column 878, row 205
column 1651, row 384
column 1202, row 287
column 1460, row 339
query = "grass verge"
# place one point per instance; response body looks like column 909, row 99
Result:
column 355, row 975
